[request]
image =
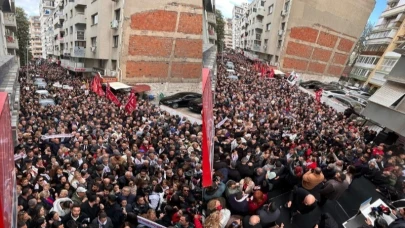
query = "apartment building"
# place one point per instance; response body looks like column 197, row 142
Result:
column 9, row 62
column 389, row 100
column 8, row 29
column 46, row 7
column 228, row 33
column 35, row 37
column 237, row 13
column 314, row 38
column 379, row 58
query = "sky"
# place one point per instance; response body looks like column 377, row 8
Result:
column 31, row 7
column 226, row 7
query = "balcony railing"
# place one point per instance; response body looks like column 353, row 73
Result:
column 79, row 52
column 211, row 18
column 12, row 42
column 9, row 20
column 80, row 35
column 256, row 47
column 258, row 36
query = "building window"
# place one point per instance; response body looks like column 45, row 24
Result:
column 118, row 14
column 94, row 19
column 71, row 13
column 94, row 41
column 115, row 39
column 286, row 6
column 271, row 9
column 268, row 26
column 388, row 64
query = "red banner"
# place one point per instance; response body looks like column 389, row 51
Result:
column 271, row 75
column 208, row 129
column 131, row 104
column 111, row 96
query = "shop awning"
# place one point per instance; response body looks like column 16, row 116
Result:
column 119, row 85
column 278, row 72
column 388, row 94
column 141, row 88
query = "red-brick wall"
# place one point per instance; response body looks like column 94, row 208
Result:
column 157, row 48
column 316, row 50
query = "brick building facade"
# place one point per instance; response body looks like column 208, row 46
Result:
column 162, row 41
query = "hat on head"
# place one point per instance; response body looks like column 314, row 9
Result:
column 81, row 190
column 271, row 175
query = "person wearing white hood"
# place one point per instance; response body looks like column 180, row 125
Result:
column 62, row 206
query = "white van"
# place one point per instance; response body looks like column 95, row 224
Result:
column 230, row 71
column 39, row 80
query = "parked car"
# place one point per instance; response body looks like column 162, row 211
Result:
column 47, row 102
column 332, row 93
column 42, row 92
column 195, row 105
column 40, row 85
column 328, row 87
column 349, row 103
column 179, row 99
column 359, row 99
column 39, row 80
column 359, row 92
column 354, row 88
column 311, row 84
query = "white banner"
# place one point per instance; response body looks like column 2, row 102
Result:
column 56, row 136
column 221, row 123
column 149, row 223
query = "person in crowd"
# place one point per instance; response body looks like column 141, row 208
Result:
column 102, row 220
column 269, row 214
column 312, row 178
column 334, row 188
column 300, row 201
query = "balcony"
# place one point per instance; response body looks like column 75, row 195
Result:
column 79, row 18
column 258, row 25
column 387, row 26
column 358, row 77
column 56, row 53
column 9, row 20
column 80, row 36
column 79, row 3
column 79, row 52
column 211, row 18
column 382, row 39
column 256, row 47
column 377, row 53
column 258, row 36
column 12, row 42
column 378, row 78
column 48, row 4
column 394, row 11
column 260, row 11
column 389, row 2
column 212, row 35
column 364, row 65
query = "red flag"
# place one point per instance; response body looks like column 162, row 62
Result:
column 111, row 96
column 94, row 84
column 131, row 104
column 100, row 91
column 318, row 96
column 263, row 69
column 271, row 73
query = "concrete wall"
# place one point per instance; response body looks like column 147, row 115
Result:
column 379, row 114
column 321, row 35
column 162, row 41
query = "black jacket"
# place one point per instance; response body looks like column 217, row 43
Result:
column 245, row 170
column 92, row 212
column 114, row 211
column 238, row 208
column 233, row 174
column 83, row 219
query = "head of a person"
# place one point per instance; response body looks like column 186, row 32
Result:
column 75, row 210
column 340, row 176
column 213, row 219
column 309, row 200
column 317, row 171
column 254, row 220
column 184, row 220
column 380, row 223
column 102, row 217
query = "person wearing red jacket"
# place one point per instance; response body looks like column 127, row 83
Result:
column 378, row 151
column 256, row 201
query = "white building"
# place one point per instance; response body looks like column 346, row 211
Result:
column 237, row 13
column 46, row 7
column 228, row 33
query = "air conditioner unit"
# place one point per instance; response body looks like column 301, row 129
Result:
column 283, row 13
column 113, row 73
column 280, row 32
column 114, row 24
column 93, row 49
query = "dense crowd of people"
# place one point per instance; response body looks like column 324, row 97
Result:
column 276, row 136
column 87, row 163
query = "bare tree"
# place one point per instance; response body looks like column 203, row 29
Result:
column 361, row 43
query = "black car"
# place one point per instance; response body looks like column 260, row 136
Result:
column 195, row 105
column 311, row 84
column 179, row 99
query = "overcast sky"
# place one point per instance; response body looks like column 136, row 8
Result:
column 31, row 7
